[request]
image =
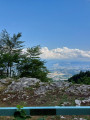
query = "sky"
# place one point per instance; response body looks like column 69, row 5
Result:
column 60, row 27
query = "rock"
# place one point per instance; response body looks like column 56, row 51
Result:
column 79, row 119
column 4, row 99
column 30, row 81
column 78, row 102
column 6, row 80
column 41, row 87
column 45, row 87
column 41, row 90
column 62, row 117
column 21, row 84
column 87, row 100
column 60, row 84
column 75, row 118
column 83, row 90
column 82, row 119
column 1, row 85
column 66, row 103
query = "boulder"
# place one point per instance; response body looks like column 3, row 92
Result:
column 78, row 102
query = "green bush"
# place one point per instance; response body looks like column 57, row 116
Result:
column 34, row 68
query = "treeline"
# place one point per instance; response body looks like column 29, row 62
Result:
column 16, row 61
column 81, row 78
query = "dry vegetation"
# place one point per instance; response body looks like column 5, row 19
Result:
column 51, row 98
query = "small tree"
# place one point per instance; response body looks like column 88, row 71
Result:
column 32, row 66
column 10, row 50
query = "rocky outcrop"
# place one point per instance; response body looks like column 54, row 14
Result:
column 22, row 83
column 82, row 90
column 5, row 81
column 43, row 87
column 46, row 87
column 40, row 87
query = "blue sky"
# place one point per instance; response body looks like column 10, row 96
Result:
column 49, row 23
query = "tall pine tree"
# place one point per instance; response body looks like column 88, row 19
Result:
column 10, row 50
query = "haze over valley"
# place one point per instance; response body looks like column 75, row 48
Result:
column 62, row 70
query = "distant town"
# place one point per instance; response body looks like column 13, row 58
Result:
column 65, row 70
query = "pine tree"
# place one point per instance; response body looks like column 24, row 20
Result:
column 10, row 49
column 32, row 66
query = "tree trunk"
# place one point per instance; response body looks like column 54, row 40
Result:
column 7, row 72
column 10, row 71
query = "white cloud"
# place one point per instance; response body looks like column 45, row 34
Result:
column 65, row 53
column 24, row 50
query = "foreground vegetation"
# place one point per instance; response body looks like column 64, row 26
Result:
column 58, row 96
column 51, row 98
column 81, row 78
